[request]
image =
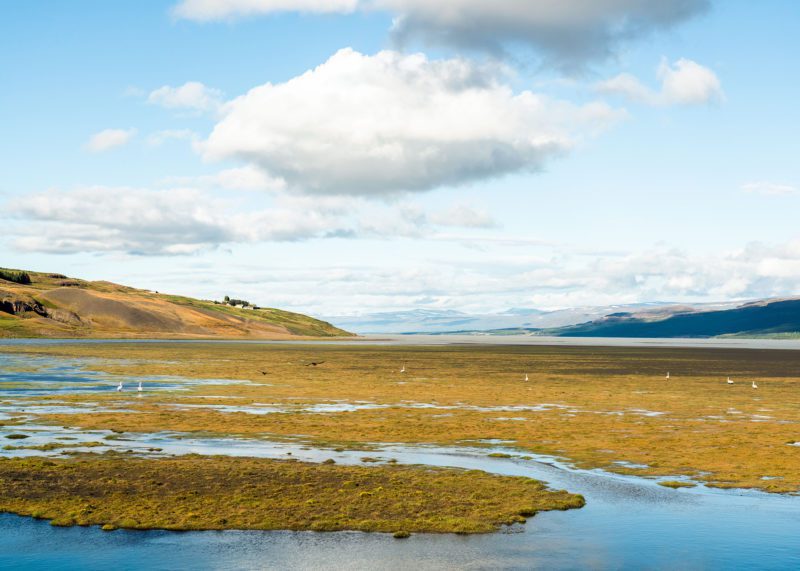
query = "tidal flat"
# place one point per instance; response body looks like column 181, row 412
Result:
column 586, row 407
column 609, row 408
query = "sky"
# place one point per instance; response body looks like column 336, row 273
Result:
column 343, row 157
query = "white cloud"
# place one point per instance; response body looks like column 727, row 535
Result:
column 684, row 82
column 159, row 222
column 209, row 10
column 688, row 83
column 181, row 220
column 192, row 95
column 567, row 32
column 119, row 219
column 374, row 125
column 629, row 87
column 109, row 139
column 248, row 177
column 769, row 188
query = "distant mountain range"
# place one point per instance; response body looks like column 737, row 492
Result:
column 434, row 321
column 772, row 318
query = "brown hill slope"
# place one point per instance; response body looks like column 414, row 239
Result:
column 52, row 305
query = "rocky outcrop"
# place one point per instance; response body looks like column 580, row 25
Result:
column 64, row 316
column 26, row 306
column 17, row 304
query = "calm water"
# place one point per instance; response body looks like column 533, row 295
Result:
column 392, row 339
column 628, row 523
column 621, row 527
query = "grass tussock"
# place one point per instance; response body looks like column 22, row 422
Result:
column 675, row 484
column 199, row 493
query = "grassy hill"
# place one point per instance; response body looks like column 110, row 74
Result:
column 52, row 305
column 779, row 318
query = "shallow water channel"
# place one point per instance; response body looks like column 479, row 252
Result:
column 628, row 522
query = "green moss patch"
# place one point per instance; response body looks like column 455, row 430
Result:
column 201, row 492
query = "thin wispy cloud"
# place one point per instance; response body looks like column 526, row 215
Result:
column 247, row 177
column 191, row 96
column 108, row 139
column 683, row 82
column 770, row 188
column 164, row 136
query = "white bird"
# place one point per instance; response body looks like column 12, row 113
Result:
column 403, row 370
column 119, row 387
column 526, row 376
column 730, row 382
column 667, row 375
column 755, row 386
column 140, row 387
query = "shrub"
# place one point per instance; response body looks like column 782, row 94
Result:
column 16, row 277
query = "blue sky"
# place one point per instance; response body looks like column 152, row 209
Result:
column 655, row 161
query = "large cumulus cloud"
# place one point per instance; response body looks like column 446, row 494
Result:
column 389, row 123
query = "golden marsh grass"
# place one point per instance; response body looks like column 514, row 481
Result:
column 596, row 407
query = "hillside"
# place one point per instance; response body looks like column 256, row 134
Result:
column 53, row 305
column 764, row 318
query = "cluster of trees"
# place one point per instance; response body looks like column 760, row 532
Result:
column 16, row 277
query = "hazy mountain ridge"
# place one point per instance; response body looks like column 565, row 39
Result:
column 524, row 320
column 776, row 317
column 34, row 304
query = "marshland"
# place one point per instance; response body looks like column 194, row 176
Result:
column 395, row 439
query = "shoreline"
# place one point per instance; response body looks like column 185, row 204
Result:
column 425, row 340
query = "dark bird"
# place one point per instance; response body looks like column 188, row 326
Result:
column 314, row 363
column 264, row 373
